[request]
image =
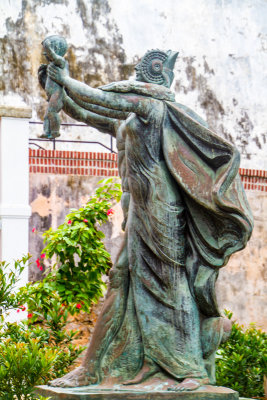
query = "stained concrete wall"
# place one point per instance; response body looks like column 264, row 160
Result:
column 220, row 73
column 241, row 284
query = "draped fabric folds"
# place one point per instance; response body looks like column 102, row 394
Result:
column 219, row 219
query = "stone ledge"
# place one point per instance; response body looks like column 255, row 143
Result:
column 15, row 112
column 92, row 393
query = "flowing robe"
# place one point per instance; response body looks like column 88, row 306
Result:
column 187, row 214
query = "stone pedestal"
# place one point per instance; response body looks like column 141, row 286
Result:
column 92, row 393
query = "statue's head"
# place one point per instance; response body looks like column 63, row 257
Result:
column 157, row 67
column 57, row 43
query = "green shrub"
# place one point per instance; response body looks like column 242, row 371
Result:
column 22, row 366
column 241, row 362
column 31, row 354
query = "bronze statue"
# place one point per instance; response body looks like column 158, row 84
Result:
column 55, row 48
column 185, row 213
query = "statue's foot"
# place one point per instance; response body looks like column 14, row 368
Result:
column 55, row 134
column 77, row 377
column 149, row 368
column 46, row 136
column 188, row 384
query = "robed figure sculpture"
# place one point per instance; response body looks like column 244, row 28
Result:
column 185, row 213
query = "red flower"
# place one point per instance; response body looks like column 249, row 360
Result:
column 33, row 230
column 43, row 255
column 69, row 222
column 41, row 268
column 18, row 310
column 85, row 220
column 30, row 315
column 110, row 211
column 78, row 306
column 38, row 262
column 23, row 308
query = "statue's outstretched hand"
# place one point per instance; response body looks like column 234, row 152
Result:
column 58, row 74
column 50, row 52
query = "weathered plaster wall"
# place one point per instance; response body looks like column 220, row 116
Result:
column 94, row 54
column 51, row 198
column 220, row 73
column 241, row 284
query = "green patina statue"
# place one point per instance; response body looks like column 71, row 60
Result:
column 185, row 213
column 54, row 48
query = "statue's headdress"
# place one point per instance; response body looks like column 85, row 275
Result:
column 157, row 67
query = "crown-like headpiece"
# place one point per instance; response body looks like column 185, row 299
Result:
column 157, row 67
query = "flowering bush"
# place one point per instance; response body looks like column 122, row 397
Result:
column 29, row 354
column 78, row 247
column 37, row 349
column 40, row 348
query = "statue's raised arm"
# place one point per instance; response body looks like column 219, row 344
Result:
column 78, row 91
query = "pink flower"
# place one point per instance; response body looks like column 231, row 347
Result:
column 85, row 220
column 43, row 255
column 78, row 306
column 33, row 230
column 38, row 262
column 18, row 310
column 29, row 315
column 69, row 222
column 110, row 211
column 41, row 268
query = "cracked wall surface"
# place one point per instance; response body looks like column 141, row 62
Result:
column 220, row 72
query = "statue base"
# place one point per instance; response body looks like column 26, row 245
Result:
column 92, row 393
